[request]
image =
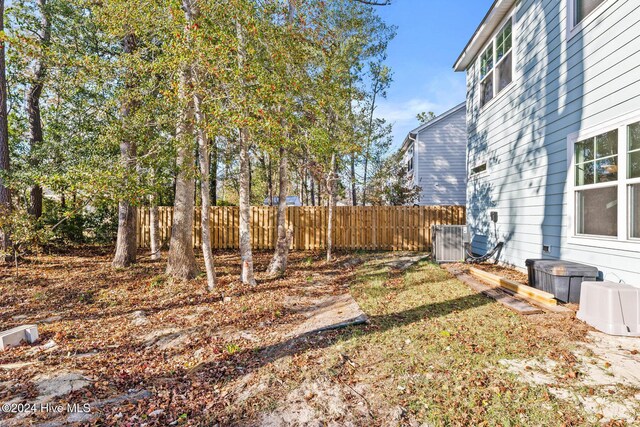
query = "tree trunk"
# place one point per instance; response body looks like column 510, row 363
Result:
column 246, row 255
column 364, row 181
column 313, row 191
column 154, row 230
column 332, row 200
column 5, row 195
column 213, row 176
column 354, row 201
column 126, row 245
column 33, row 106
column 205, row 207
column 270, row 181
column 245, row 210
column 181, row 263
column 280, row 258
column 369, row 142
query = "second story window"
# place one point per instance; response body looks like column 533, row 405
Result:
column 410, row 160
column 584, row 8
column 486, row 76
column 496, row 64
column 503, row 57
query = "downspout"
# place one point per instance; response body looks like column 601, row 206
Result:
column 416, row 163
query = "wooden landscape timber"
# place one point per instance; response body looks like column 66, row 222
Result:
column 517, row 288
column 542, row 298
column 388, row 228
column 497, row 293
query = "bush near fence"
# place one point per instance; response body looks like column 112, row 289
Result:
column 390, row 228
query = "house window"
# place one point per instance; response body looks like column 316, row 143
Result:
column 634, row 151
column 634, row 211
column 597, row 164
column 633, row 167
column 486, row 76
column 597, row 211
column 584, row 8
column 503, row 57
column 605, row 185
column 479, row 169
column 597, row 159
column 410, row 161
column 496, row 64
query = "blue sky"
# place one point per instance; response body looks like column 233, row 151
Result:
column 431, row 35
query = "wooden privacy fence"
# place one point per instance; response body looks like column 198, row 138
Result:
column 391, row 228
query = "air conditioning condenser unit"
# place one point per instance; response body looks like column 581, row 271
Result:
column 449, row 242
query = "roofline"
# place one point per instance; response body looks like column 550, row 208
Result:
column 494, row 16
column 414, row 133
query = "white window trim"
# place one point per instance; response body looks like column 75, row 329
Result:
column 492, row 42
column 622, row 241
column 574, row 29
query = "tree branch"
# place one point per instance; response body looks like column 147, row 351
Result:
column 375, row 2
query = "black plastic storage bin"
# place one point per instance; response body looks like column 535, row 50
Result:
column 563, row 279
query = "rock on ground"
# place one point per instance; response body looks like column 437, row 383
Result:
column 59, row 384
column 318, row 402
column 325, row 313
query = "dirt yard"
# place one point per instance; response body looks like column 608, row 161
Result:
column 139, row 350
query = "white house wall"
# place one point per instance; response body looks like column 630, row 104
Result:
column 440, row 163
column 561, row 86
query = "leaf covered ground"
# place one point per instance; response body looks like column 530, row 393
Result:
column 142, row 350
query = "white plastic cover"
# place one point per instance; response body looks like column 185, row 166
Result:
column 612, row 308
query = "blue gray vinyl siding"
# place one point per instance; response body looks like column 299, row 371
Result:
column 560, row 86
column 440, row 162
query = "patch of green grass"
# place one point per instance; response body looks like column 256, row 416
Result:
column 433, row 347
column 158, row 281
column 231, row 348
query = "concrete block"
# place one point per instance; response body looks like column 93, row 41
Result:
column 13, row 337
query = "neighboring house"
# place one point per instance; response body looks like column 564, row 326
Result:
column 435, row 157
column 554, row 132
column 291, row 201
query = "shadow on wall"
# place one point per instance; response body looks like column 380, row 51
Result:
column 481, row 203
column 532, row 169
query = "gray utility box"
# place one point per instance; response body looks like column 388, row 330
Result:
column 563, row 279
column 449, row 242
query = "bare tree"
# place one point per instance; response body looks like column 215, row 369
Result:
column 246, row 254
column 181, row 262
column 205, row 205
column 280, row 258
column 33, row 103
column 331, row 189
column 5, row 194
column 126, row 245
column 154, row 229
column 245, row 183
column 278, row 264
